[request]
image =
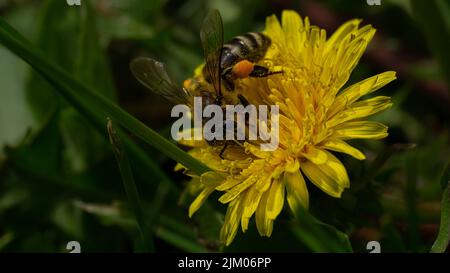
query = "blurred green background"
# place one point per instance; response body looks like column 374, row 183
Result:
column 59, row 180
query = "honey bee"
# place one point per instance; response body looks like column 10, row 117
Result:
column 223, row 63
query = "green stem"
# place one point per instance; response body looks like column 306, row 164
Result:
column 443, row 238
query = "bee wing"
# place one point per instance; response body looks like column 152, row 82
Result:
column 153, row 75
column 211, row 35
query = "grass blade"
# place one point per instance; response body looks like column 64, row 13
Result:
column 130, row 187
column 84, row 98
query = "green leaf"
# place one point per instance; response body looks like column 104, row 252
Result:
column 130, row 187
column 443, row 238
column 82, row 146
column 319, row 236
column 85, row 100
column 51, row 37
column 91, row 65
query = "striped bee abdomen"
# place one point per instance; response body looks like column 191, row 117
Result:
column 251, row 46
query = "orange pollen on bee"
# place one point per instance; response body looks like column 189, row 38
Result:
column 243, row 69
column 187, row 83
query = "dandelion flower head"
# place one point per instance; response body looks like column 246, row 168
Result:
column 317, row 117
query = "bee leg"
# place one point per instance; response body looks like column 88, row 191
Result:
column 243, row 100
column 261, row 71
column 228, row 80
column 223, row 150
column 239, row 143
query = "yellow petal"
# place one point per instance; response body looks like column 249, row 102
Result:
column 291, row 21
column 342, row 52
column 179, row 167
column 346, row 29
column 269, row 207
column 331, row 177
column 264, row 183
column 292, row 166
column 263, row 223
column 273, row 28
column 255, row 150
column 341, row 146
column 360, row 110
column 210, row 157
column 212, row 179
column 355, row 91
column 356, row 48
column 292, row 26
column 371, row 106
column 231, row 223
column 209, row 180
column 229, row 183
column 317, row 156
column 252, row 198
column 278, row 171
column 275, row 199
column 237, row 190
column 294, row 112
column 199, row 70
column 297, row 193
column 199, row 200
column 361, row 129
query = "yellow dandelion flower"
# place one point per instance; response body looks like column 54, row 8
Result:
column 316, row 118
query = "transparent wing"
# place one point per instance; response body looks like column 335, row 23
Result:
column 211, row 35
column 153, row 75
